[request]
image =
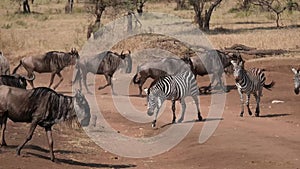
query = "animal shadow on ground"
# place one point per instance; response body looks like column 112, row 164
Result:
column 38, row 148
column 84, row 164
column 274, row 115
column 194, row 121
column 205, row 90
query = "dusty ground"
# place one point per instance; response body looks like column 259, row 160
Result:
column 270, row 141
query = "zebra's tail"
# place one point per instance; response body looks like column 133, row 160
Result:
column 269, row 86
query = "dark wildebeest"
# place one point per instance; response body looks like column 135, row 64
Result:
column 40, row 106
column 15, row 80
column 4, row 65
column 213, row 62
column 105, row 63
column 296, row 80
column 160, row 68
column 52, row 62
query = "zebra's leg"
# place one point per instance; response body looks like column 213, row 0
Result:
column 196, row 101
column 173, row 110
column 242, row 102
column 247, row 104
column 257, row 97
column 183, row 107
column 154, row 121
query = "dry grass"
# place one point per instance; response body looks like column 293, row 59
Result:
column 50, row 29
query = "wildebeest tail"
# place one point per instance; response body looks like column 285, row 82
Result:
column 134, row 79
column 77, row 75
column 269, row 86
column 16, row 68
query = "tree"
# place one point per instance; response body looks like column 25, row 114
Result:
column 97, row 7
column 180, row 4
column 276, row 6
column 26, row 7
column 203, row 11
column 139, row 6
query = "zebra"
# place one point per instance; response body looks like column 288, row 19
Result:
column 296, row 80
column 250, row 82
column 172, row 87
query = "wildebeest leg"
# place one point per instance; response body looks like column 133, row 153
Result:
column 183, row 107
column 242, row 102
column 50, row 142
column 257, row 97
column 196, row 101
column 173, row 110
column 51, row 79
column 3, row 127
column 28, row 137
column 247, row 104
column 84, row 77
column 108, row 79
column 60, row 80
column 142, row 81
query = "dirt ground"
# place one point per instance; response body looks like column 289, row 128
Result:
column 270, row 141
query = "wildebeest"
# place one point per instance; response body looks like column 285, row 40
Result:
column 159, row 68
column 105, row 63
column 40, row 106
column 4, row 65
column 51, row 62
column 213, row 62
column 296, row 80
column 15, row 80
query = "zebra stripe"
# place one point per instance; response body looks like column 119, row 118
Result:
column 173, row 88
column 250, row 82
column 296, row 80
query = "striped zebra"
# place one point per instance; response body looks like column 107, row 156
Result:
column 250, row 82
column 296, row 80
column 173, row 88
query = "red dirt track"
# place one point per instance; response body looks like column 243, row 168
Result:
column 271, row 141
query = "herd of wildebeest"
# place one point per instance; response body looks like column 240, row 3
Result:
column 174, row 79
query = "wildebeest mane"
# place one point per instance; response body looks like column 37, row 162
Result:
column 57, row 105
column 57, row 59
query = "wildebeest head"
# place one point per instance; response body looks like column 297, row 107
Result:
column 75, row 56
column 127, row 61
column 22, row 80
column 238, row 67
column 82, row 108
column 296, row 80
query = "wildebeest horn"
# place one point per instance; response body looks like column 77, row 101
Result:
column 129, row 52
column 122, row 52
column 29, row 79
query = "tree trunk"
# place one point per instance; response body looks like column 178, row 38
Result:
column 180, row 5
column 26, row 8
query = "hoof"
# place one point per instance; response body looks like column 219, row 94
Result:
column 241, row 115
column 256, row 114
column 250, row 113
column 3, row 145
column 180, row 121
column 200, row 118
column 153, row 125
